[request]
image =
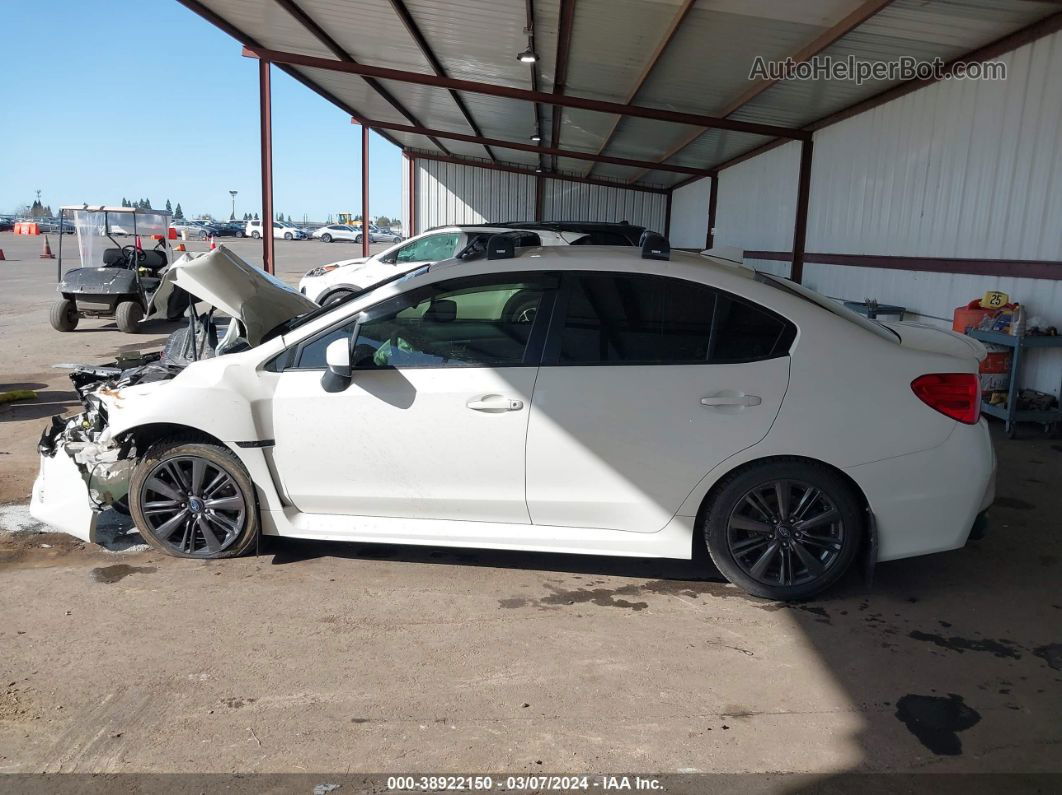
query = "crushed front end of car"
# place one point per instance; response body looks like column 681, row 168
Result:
column 84, row 470
column 85, row 466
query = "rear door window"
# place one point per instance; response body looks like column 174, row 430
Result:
column 646, row 319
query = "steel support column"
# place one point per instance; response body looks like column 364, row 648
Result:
column 713, row 204
column 266, row 117
column 540, row 196
column 365, row 234
column 800, row 225
column 667, row 215
column 409, row 175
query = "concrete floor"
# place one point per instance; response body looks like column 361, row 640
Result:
column 353, row 658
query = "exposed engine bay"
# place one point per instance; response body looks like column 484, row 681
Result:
column 80, row 454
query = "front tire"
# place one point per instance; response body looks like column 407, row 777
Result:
column 784, row 530
column 194, row 500
column 335, row 297
column 63, row 315
column 357, row 239
column 256, row 235
column 288, row 236
column 326, row 238
column 128, row 316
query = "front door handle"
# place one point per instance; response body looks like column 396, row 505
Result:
column 494, row 404
column 731, row 399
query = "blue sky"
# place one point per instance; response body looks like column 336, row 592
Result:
column 142, row 98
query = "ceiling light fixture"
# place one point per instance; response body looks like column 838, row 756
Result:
column 527, row 56
column 536, row 137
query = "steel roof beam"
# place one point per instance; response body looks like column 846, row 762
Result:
column 530, row 28
column 491, row 89
column 418, row 37
column 222, row 24
column 322, row 36
column 994, row 49
column 825, row 39
column 525, row 147
column 560, row 68
column 661, row 45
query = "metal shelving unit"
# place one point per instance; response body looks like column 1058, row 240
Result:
column 1010, row 413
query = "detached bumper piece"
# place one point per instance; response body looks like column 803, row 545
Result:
column 61, row 497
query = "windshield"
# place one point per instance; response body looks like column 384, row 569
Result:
column 313, row 314
column 821, row 301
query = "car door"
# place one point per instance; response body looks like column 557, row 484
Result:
column 433, row 423
column 647, row 383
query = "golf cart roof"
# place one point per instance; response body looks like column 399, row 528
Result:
column 102, row 208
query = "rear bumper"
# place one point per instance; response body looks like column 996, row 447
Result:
column 929, row 501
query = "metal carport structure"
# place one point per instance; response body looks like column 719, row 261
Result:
column 637, row 96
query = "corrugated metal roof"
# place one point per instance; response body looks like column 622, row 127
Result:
column 703, row 69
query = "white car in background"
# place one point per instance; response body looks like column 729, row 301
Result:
column 338, row 280
column 384, row 235
column 580, row 399
column 334, row 232
column 280, row 231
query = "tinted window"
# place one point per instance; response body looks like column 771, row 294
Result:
column 631, row 318
column 635, row 319
column 743, row 331
column 452, row 324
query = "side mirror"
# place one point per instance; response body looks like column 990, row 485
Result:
column 337, row 357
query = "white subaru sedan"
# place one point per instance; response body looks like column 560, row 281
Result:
column 592, row 400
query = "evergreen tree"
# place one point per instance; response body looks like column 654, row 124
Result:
column 169, row 207
column 178, row 213
column 256, row 216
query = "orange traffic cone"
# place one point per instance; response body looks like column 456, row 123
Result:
column 47, row 253
column 213, row 243
column 180, row 247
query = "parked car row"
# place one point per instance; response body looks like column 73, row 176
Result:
column 332, row 233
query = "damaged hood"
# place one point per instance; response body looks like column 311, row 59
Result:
column 259, row 301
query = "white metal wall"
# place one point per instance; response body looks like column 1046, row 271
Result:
column 967, row 169
column 450, row 193
column 574, row 201
column 689, row 215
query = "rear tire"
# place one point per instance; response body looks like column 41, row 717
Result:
column 784, row 530
column 63, row 315
column 255, row 235
column 216, row 517
column 357, row 239
column 128, row 316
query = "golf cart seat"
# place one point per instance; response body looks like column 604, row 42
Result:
column 154, row 259
column 113, row 257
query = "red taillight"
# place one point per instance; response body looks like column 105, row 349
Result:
column 957, row 395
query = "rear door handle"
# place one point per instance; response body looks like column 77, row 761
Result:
column 731, row 399
column 494, row 404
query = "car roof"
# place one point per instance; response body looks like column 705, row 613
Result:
column 611, row 258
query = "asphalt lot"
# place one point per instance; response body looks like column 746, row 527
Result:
column 328, row 657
